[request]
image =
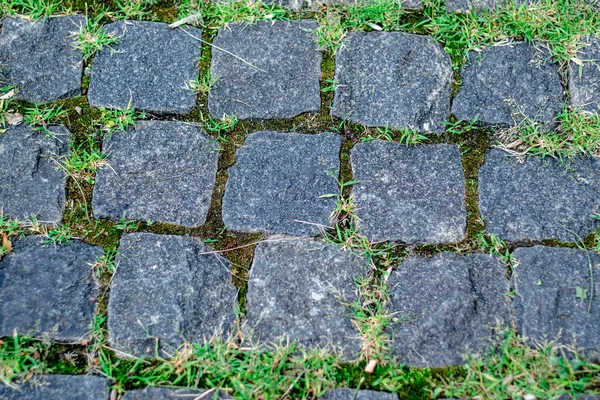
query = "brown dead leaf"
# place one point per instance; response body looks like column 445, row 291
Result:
column 78, row 110
column 8, row 95
column 577, row 61
column 370, row 368
column 6, row 243
column 113, row 394
column 1, row 342
column 13, row 119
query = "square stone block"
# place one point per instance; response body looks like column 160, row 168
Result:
column 59, row 387
column 584, row 81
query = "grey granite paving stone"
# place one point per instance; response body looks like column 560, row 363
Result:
column 278, row 77
column 167, row 291
column 584, row 81
column 277, row 182
column 447, row 306
column 47, row 290
column 411, row 194
column 149, row 69
column 507, row 84
column 539, row 198
column 162, row 171
column 354, row 394
column 296, row 290
column 163, row 393
column 39, row 58
column 406, row 85
column 32, row 183
column 59, row 387
column 315, row 4
column 462, row 6
column 546, row 306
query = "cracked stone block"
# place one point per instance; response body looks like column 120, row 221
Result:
column 47, row 290
column 539, row 198
column 39, row 58
column 150, row 68
column 278, row 181
column 161, row 171
column 32, row 184
column 460, row 306
column 274, row 71
column 406, row 85
column 584, row 81
column 167, row 290
column 163, row 393
column 297, row 290
column 355, row 394
column 509, row 84
column 546, row 305
column 59, row 387
column 413, row 194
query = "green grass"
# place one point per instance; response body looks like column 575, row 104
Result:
column 92, row 38
column 112, row 120
column 41, row 117
column 35, row 9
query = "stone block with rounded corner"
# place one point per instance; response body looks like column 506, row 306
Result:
column 58, row 387
column 38, row 57
column 508, row 84
column 555, row 299
column 356, row 394
column 299, row 289
column 169, row 393
column 47, row 290
column 150, row 68
column 278, row 182
column 167, row 290
column 265, row 70
column 539, row 198
column 446, row 307
column 412, row 194
column 32, row 183
column 407, row 85
column 162, row 171
column 584, row 80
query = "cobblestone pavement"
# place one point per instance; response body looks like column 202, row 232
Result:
column 168, row 288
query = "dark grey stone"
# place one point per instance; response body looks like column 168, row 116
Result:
column 406, row 85
column 296, row 290
column 509, row 84
column 32, row 185
column 47, row 290
column 472, row 5
column 584, row 81
column 277, row 182
column 163, row 171
column 539, row 198
column 163, row 393
column 545, row 306
column 149, row 69
column 39, row 57
column 287, row 54
column 59, row 387
column 446, row 307
column 355, row 394
column 166, row 291
column 411, row 194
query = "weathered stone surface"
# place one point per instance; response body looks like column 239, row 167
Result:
column 47, row 290
column 446, row 307
column 506, row 84
column 165, row 291
column 32, row 183
column 283, row 78
column 39, row 58
column 584, row 81
column 163, row 171
column 149, row 69
column 546, row 306
column 473, row 5
column 354, row 394
column 276, row 183
column 411, row 194
column 59, row 387
column 406, row 85
column 296, row 290
column 315, row 4
column 539, row 198
column 158, row 393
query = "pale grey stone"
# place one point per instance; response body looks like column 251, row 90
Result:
column 161, row 171
column 47, row 290
column 584, row 81
column 393, row 79
column 59, row 387
column 411, row 194
column 278, row 77
column 164, row 393
column 355, row 394
column 167, row 290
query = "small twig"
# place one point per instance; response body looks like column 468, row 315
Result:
column 186, row 20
